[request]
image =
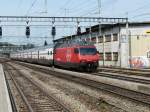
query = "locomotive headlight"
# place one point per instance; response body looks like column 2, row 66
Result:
column 82, row 61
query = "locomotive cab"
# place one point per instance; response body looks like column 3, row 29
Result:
column 80, row 56
column 88, row 57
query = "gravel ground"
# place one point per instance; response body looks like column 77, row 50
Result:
column 102, row 97
column 85, row 99
column 92, row 103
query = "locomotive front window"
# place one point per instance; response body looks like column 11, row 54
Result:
column 76, row 51
column 88, row 51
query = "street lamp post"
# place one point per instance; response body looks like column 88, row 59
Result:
column 100, row 32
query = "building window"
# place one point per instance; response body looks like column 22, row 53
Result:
column 108, row 56
column 88, row 39
column 93, row 39
column 101, row 56
column 100, row 39
column 115, row 56
column 107, row 38
column 115, row 37
column 148, row 54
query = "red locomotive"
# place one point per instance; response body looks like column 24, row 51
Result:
column 78, row 55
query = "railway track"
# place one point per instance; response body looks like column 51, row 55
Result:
column 123, row 77
column 34, row 96
column 126, row 71
column 129, row 94
column 131, row 69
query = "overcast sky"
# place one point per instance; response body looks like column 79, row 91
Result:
column 136, row 10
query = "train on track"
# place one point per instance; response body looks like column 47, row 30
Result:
column 81, row 56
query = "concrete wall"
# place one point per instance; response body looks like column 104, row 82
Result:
column 139, row 45
column 136, row 44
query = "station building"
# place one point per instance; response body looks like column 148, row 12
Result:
column 119, row 45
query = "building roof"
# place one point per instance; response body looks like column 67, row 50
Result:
column 95, row 28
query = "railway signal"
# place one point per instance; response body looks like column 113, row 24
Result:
column 53, row 31
column 78, row 29
column 27, row 30
column 1, row 31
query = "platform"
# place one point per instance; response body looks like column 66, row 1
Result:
column 5, row 104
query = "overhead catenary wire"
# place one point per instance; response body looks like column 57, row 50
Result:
column 80, row 5
column 144, row 15
column 83, row 11
column 132, row 14
column 33, row 3
column 94, row 10
column 75, row 7
column 99, row 7
column 89, row 12
column 139, row 8
column 64, row 5
column 83, row 8
column 141, row 15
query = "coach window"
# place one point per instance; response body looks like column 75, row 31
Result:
column 51, row 52
column 107, row 38
column 76, row 51
column 100, row 39
column 115, row 56
column 108, row 56
column 115, row 37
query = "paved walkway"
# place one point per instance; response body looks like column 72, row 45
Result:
column 5, row 105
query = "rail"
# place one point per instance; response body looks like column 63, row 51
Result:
column 30, row 98
column 130, row 94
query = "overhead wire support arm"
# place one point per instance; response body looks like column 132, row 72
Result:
column 61, row 19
